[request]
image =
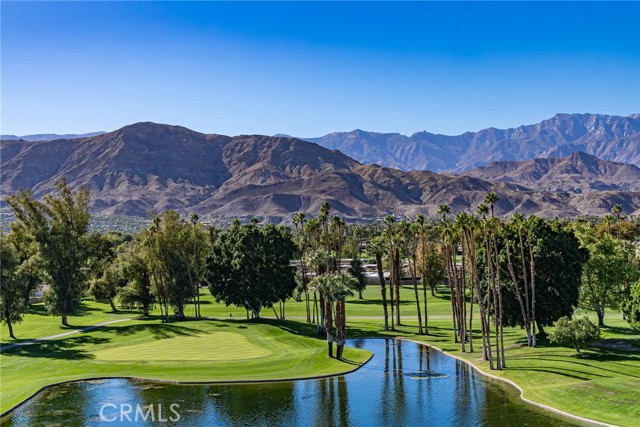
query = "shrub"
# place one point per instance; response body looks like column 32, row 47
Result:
column 576, row 333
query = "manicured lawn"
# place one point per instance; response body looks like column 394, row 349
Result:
column 598, row 383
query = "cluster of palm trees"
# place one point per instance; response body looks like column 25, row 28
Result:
column 472, row 247
column 320, row 241
column 476, row 253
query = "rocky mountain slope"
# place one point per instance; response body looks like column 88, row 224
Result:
column 578, row 173
column 151, row 167
column 607, row 137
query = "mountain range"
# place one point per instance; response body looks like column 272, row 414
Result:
column 613, row 138
column 152, row 167
column 50, row 136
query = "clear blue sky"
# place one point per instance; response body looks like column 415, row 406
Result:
column 307, row 69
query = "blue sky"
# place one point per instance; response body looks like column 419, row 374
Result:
column 307, row 68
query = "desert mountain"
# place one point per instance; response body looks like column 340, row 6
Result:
column 578, row 173
column 148, row 166
column 607, row 137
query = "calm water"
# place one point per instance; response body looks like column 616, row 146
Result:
column 405, row 384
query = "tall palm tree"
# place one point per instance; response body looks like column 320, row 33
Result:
column 491, row 200
column 412, row 240
column 337, row 227
column 323, row 217
column 343, row 284
column 517, row 225
column 389, row 222
column 608, row 220
column 483, row 210
column 444, row 210
column 299, row 224
column 318, row 261
column 194, row 218
column 324, row 284
column 617, row 210
column 377, row 248
column 422, row 233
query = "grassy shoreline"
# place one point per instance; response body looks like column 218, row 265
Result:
column 600, row 384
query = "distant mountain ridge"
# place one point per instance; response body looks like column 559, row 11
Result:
column 149, row 166
column 50, row 136
column 608, row 137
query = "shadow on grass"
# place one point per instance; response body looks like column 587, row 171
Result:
column 58, row 349
column 158, row 330
column 557, row 371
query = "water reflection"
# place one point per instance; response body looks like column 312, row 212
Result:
column 404, row 384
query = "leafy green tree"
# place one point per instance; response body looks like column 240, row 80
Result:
column 136, row 269
column 603, row 277
column 576, row 333
column 31, row 268
column 12, row 304
column 250, row 266
column 106, row 287
column 632, row 307
column 177, row 253
column 59, row 225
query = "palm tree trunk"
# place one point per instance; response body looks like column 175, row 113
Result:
column 328, row 324
column 415, row 290
column 383, row 290
column 397, row 285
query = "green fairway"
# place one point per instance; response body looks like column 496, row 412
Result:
column 215, row 346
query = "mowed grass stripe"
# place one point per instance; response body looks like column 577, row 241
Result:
column 216, row 346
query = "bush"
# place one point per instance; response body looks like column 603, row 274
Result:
column 576, row 333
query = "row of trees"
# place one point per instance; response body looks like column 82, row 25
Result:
column 523, row 271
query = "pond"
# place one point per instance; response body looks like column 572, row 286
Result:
column 404, row 384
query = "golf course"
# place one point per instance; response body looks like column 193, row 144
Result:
column 599, row 383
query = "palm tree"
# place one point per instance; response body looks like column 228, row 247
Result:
column 193, row 219
column 517, row 224
column 412, row 239
column 318, row 261
column 377, row 248
column 617, row 210
column 337, row 227
column 422, row 232
column 389, row 221
column 298, row 222
column 342, row 285
column 483, row 209
column 608, row 220
column 491, row 200
column 324, row 285
column 444, row 210
column 323, row 217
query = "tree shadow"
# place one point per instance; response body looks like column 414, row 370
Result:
column 158, row 330
column 67, row 348
column 38, row 310
column 556, row 372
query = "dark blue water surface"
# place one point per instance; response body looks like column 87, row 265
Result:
column 404, row 384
